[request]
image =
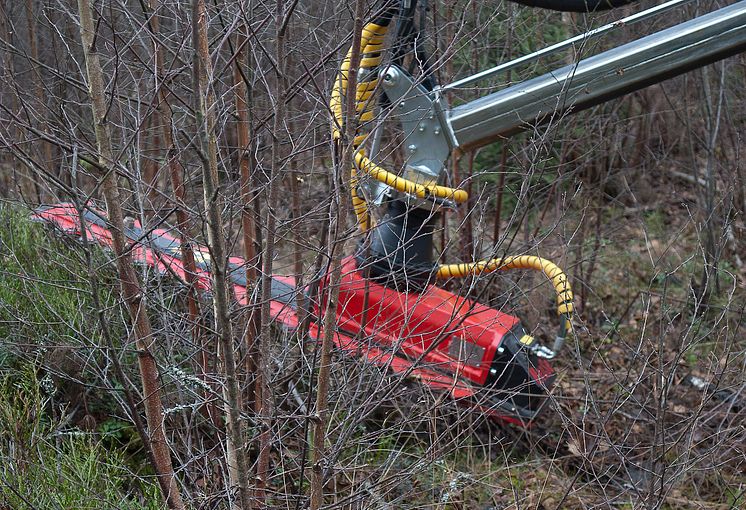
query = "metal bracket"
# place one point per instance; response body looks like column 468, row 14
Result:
column 425, row 138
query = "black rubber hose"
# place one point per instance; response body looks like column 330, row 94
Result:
column 575, row 5
column 386, row 12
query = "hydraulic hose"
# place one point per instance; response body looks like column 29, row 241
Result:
column 406, row 186
column 371, row 45
column 575, row 5
column 552, row 271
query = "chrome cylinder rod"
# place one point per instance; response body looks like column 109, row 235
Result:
column 597, row 79
column 554, row 48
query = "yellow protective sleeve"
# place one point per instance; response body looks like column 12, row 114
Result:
column 371, row 44
column 552, row 271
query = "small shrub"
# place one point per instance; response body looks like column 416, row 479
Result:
column 45, row 464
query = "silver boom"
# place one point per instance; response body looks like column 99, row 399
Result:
column 597, row 79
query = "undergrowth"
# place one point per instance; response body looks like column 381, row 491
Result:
column 53, row 453
column 48, row 464
column 45, row 298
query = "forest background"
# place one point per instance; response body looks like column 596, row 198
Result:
column 124, row 388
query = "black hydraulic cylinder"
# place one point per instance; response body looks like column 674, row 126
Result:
column 400, row 251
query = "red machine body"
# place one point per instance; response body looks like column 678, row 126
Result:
column 435, row 326
column 476, row 353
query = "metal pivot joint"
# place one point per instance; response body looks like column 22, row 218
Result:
column 427, row 143
column 401, row 245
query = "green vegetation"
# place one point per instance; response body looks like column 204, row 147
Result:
column 46, row 326
column 45, row 299
column 48, row 464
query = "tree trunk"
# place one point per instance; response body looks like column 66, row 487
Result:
column 264, row 395
column 338, row 214
column 182, row 217
column 131, row 292
column 245, row 165
column 46, row 147
column 237, row 459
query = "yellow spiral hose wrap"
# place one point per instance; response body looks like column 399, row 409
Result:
column 371, row 46
column 405, row 185
column 552, row 271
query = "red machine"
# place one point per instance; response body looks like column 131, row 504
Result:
column 481, row 356
column 478, row 353
column 389, row 309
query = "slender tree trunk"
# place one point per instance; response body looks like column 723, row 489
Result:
column 151, row 140
column 336, row 243
column 504, row 150
column 131, row 292
column 712, row 219
column 182, row 216
column 245, row 164
column 448, row 53
column 46, row 147
column 28, row 183
column 298, row 230
column 237, row 459
column 264, row 395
